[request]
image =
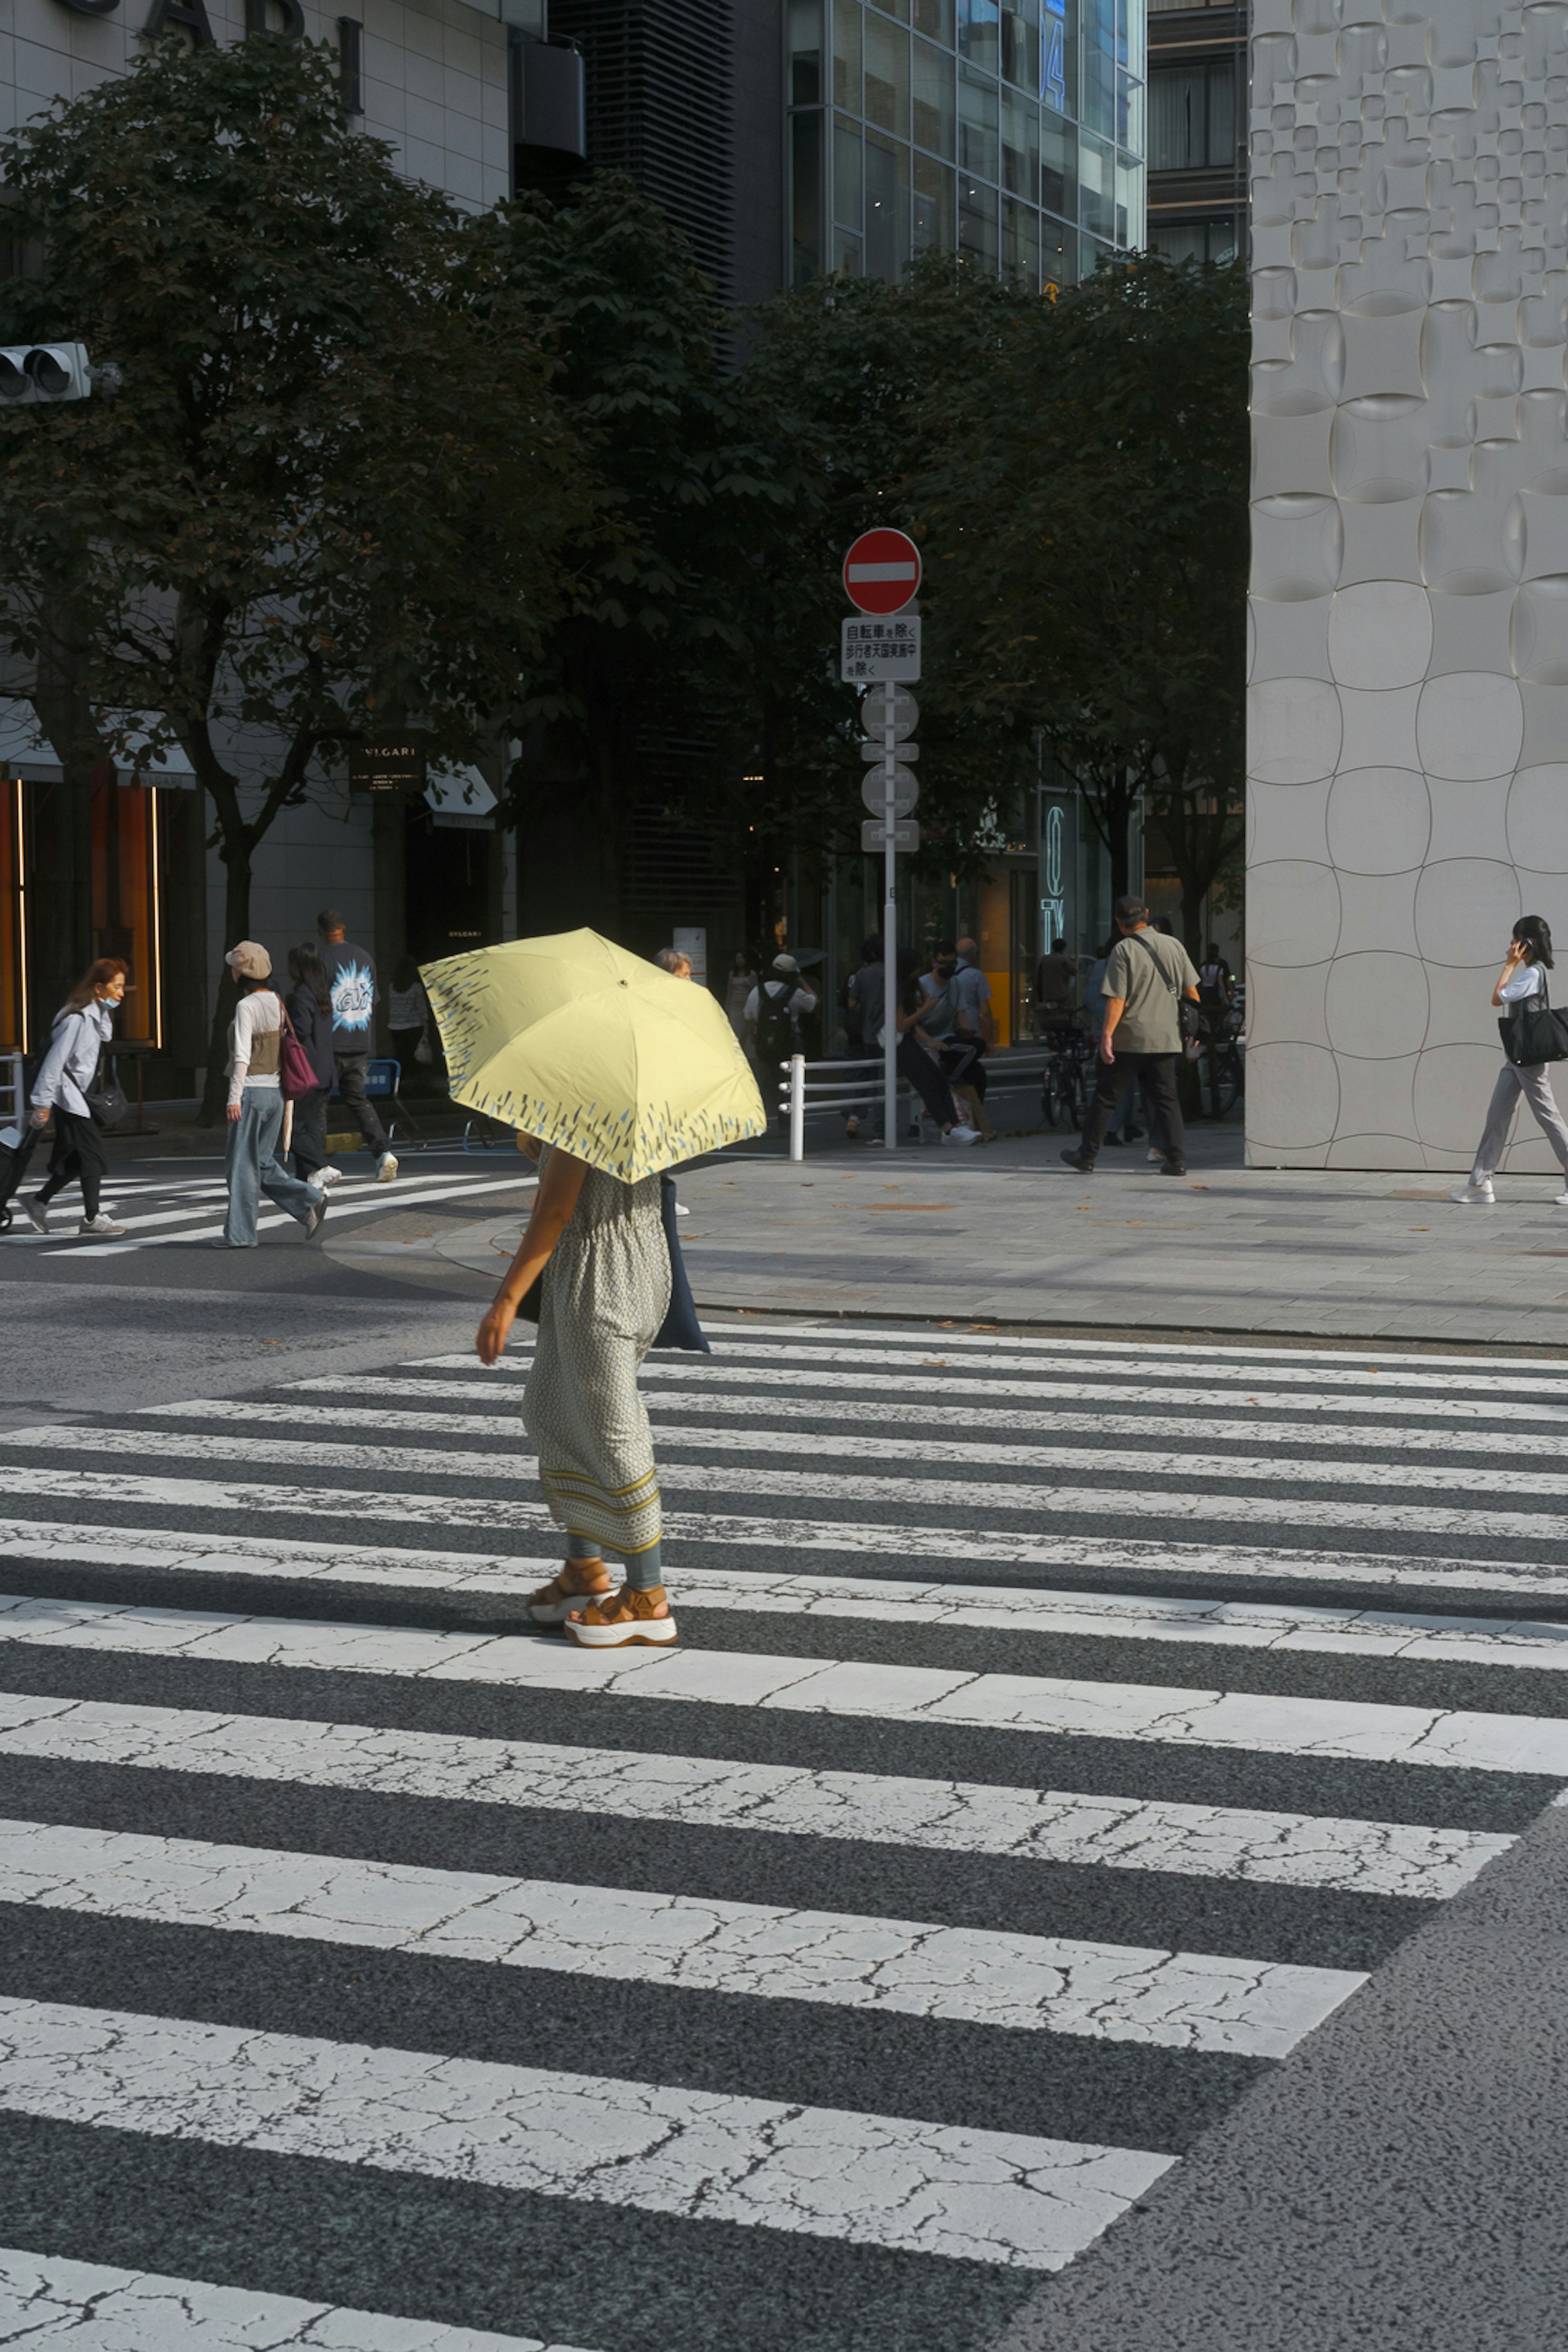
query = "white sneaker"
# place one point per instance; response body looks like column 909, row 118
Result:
column 37, row 1216
column 386, row 1168
column 962, row 1135
column 325, row 1178
column 1560, row 1200
column 1469, row 1194
column 100, row 1228
column 314, row 1220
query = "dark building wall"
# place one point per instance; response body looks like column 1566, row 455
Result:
column 684, row 96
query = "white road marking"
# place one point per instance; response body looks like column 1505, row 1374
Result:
column 922, row 1352
column 1277, row 1849
column 1172, row 1431
column 1229, row 1625
column 47, row 2301
column 1262, row 1724
column 667, row 1388
column 359, row 1205
column 110, row 1490
column 920, row 2187
column 910, row 1967
column 916, row 1493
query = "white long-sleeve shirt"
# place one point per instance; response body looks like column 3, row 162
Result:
column 258, row 1018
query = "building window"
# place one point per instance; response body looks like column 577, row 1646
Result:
column 998, row 87
column 1212, row 238
column 1192, row 117
column 807, row 257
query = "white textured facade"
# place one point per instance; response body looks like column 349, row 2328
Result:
column 433, row 74
column 1408, row 636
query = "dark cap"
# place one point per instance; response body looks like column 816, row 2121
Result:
column 1130, row 909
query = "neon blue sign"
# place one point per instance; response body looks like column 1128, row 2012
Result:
column 1053, row 56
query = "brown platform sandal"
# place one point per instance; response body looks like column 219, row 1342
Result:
column 631, row 1617
column 567, row 1589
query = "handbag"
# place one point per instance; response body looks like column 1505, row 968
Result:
column 296, row 1076
column 105, row 1097
column 681, row 1328
column 1530, row 1031
column 1190, row 1019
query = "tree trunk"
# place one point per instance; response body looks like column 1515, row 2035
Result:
column 236, row 927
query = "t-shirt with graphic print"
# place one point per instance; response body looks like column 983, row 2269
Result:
column 351, row 976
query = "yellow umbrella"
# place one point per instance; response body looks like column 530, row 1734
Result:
column 572, row 1039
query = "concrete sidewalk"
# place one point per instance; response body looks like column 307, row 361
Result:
column 1010, row 1234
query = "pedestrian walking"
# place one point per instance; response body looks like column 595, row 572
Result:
column 596, row 1248
column 1123, row 1127
column 351, row 976
column 737, row 991
column 674, row 961
column 918, row 1050
column 408, row 1018
column 774, row 1012
column 1147, row 975
column 1521, row 984
column 1055, row 978
column 864, row 992
column 82, row 1028
column 309, row 1010
column 256, row 1108
column 1215, row 977
column 960, row 1045
column 977, row 1035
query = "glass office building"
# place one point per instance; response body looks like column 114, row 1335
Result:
column 1010, row 130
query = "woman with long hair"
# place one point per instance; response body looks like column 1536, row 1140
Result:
column 83, row 1027
column 1528, row 961
column 309, row 1008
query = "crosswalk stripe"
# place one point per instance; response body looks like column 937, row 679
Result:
column 897, row 1539
column 1256, row 1626
column 672, row 1388
column 1365, row 1857
column 1263, row 1723
column 953, row 1494
column 1178, row 2001
column 417, row 1196
column 45, row 2300
column 996, row 1353
column 200, row 1202
column 984, row 1453
column 914, row 2186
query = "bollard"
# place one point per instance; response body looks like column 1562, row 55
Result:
column 797, row 1105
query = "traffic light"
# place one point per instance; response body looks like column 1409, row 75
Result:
column 43, row 371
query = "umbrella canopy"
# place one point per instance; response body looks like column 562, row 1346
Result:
column 572, row 1039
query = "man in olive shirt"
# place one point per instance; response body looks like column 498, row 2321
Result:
column 1146, row 978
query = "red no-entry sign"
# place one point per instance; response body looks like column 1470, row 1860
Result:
column 882, row 572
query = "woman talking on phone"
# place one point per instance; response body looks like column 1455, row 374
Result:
column 1523, row 977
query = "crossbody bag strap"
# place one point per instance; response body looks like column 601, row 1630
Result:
column 1139, row 939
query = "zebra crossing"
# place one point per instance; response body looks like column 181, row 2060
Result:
column 1062, row 1732
column 170, row 1211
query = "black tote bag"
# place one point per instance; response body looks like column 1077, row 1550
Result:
column 681, row 1328
column 1531, row 1031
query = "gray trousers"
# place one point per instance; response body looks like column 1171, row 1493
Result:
column 1533, row 1083
column 252, row 1167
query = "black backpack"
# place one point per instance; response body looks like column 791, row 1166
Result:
column 775, row 1025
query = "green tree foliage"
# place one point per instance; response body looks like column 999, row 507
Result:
column 332, row 495
column 628, row 700
column 857, row 381
column 1091, row 509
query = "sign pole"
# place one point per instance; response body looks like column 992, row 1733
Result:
column 890, row 934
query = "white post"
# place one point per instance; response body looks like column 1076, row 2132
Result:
column 889, row 932
column 797, row 1105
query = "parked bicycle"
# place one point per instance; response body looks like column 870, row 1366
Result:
column 1068, row 1080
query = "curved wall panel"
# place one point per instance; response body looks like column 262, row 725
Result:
column 1408, row 735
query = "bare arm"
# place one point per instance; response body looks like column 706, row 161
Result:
column 1115, row 1007
column 1515, row 958
column 553, row 1205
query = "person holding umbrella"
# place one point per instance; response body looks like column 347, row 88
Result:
column 611, row 1071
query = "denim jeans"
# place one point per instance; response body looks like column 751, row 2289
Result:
column 252, row 1167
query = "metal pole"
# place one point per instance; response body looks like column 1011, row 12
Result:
column 889, row 931
column 797, row 1105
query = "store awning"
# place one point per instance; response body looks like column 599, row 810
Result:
column 26, row 751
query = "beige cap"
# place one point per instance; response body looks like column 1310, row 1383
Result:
column 249, row 960
column 785, row 963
